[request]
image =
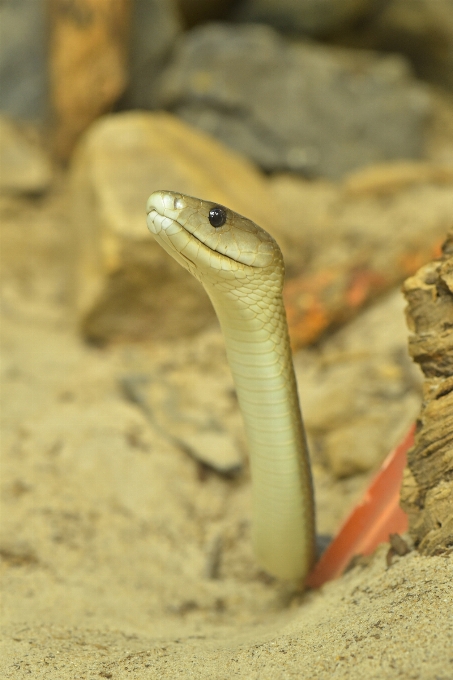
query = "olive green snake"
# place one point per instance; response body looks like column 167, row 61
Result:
column 241, row 268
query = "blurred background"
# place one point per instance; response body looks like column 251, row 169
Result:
column 329, row 116
column 328, row 122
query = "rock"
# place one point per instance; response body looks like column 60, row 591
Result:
column 439, row 143
column 353, row 239
column 359, row 391
column 357, row 238
column 24, row 166
column 311, row 17
column 199, row 11
column 390, row 179
column 125, row 280
column 191, row 409
column 155, row 26
column 427, row 493
column 422, row 30
column 88, row 63
column 23, row 69
column 301, row 107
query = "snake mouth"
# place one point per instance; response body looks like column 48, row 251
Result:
column 153, row 213
column 237, row 240
column 208, row 248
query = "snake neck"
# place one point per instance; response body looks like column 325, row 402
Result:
column 258, row 350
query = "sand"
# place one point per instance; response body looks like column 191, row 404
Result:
column 122, row 557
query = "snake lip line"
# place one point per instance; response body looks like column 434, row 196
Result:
column 197, row 239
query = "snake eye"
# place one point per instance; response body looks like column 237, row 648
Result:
column 217, row 216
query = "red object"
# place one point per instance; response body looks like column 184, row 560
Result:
column 371, row 521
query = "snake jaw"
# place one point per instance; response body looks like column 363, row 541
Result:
column 237, row 243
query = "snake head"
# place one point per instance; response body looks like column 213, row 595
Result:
column 205, row 237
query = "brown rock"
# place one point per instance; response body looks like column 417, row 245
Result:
column 125, row 281
column 24, row 167
column 88, row 56
column 427, row 493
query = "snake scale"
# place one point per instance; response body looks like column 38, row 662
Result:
column 241, row 268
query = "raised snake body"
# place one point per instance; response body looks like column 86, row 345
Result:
column 241, row 268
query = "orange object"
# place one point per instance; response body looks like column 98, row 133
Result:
column 371, row 521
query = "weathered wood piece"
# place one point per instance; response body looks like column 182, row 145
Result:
column 427, row 493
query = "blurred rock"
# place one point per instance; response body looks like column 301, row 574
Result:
column 155, row 24
column 198, row 11
column 125, row 281
column 301, row 107
column 88, row 63
column 439, row 143
column 311, row 17
column 23, row 69
column 24, row 167
column 427, row 493
column 359, row 390
column 420, row 29
column 352, row 240
column 358, row 238
column 188, row 396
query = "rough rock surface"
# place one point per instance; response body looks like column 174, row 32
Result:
column 301, row 107
column 427, row 494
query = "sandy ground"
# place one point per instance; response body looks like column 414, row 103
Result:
column 124, row 558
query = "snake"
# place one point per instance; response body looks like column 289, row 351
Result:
column 241, row 269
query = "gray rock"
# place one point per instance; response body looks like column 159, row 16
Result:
column 23, row 70
column 299, row 107
column 311, row 17
column 155, row 26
